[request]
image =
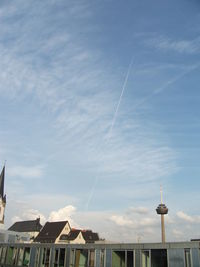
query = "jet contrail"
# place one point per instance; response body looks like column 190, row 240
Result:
column 120, row 98
column 156, row 91
column 110, row 130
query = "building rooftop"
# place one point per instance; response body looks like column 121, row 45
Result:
column 26, row 226
column 88, row 235
column 50, row 232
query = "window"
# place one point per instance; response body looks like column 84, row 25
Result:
column 81, row 258
column 61, row 258
column 45, row 257
column 145, row 257
column 20, row 257
column 188, row 262
column 37, row 257
column 123, row 258
column 26, row 257
column 102, row 258
column 91, row 258
column 118, row 258
column 14, row 258
column 159, row 258
column 9, row 256
column 72, row 257
column 56, row 257
column 3, row 255
column 130, row 258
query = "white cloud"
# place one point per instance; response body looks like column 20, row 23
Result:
column 188, row 218
column 121, row 220
column 177, row 233
column 149, row 221
column 169, row 219
column 185, row 217
column 118, row 227
column 63, row 214
column 29, row 214
column 136, row 219
column 139, row 210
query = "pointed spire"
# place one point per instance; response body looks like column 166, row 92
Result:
column 2, row 182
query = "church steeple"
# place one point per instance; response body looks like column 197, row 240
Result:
column 2, row 196
column 2, row 182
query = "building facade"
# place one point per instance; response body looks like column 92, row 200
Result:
column 29, row 228
column 183, row 254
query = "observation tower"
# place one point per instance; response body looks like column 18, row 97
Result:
column 162, row 210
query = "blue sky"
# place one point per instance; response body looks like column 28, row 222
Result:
column 76, row 150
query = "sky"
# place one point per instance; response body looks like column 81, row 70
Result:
column 99, row 107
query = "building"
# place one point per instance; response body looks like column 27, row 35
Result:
column 175, row 254
column 29, row 228
column 13, row 237
column 77, row 236
column 52, row 231
column 62, row 233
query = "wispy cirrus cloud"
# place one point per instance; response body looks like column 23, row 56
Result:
column 181, row 46
column 29, row 172
column 72, row 82
column 50, row 65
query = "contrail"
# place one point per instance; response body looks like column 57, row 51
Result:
column 110, row 130
column 156, row 91
column 120, row 98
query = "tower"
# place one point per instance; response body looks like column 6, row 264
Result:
column 2, row 196
column 162, row 210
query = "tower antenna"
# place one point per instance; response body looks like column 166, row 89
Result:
column 161, row 195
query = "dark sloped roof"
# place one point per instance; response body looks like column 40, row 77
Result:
column 50, row 232
column 89, row 236
column 26, row 226
column 71, row 236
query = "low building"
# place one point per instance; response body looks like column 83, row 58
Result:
column 77, row 236
column 52, row 231
column 13, row 237
column 89, row 236
column 29, row 228
column 175, row 254
column 73, row 237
